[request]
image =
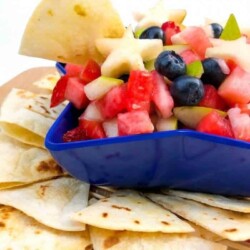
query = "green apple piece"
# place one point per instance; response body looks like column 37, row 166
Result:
column 150, row 65
column 195, row 69
column 191, row 116
column 231, row 30
column 138, row 32
column 166, row 124
column 177, row 48
column 100, row 86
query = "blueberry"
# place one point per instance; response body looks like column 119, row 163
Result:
column 170, row 64
column 187, row 90
column 213, row 73
column 216, row 29
column 153, row 32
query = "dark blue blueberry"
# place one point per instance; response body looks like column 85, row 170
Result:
column 213, row 73
column 153, row 32
column 216, row 29
column 170, row 64
column 187, row 90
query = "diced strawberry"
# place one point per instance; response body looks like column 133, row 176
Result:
column 139, row 90
column 211, row 99
column 58, row 94
column 113, row 102
column 240, row 123
column 161, row 96
column 170, row 28
column 93, row 129
column 198, row 40
column 90, row 72
column 236, row 87
column 189, row 56
column 75, row 93
column 134, row 122
column 75, row 134
column 214, row 123
column 73, row 70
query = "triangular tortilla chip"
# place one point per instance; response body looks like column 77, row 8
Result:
column 127, row 210
column 66, row 31
column 120, row 240
column 50, row 202
column 229, row 225
column 228, row 203
column 27, row 117
column 20, row 232
column 21, row 164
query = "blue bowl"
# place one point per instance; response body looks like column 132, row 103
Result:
column 180, row 159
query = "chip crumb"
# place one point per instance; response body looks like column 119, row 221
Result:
column 79, row 10
column 136, row 222
column 2, row 224
column 50, row 12
column 89, row 247
column 110, row 242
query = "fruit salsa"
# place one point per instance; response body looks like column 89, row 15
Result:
column 162, row 77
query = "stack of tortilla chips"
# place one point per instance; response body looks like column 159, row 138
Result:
column 41, row 207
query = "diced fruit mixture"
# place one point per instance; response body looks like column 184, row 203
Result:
column 163, row 77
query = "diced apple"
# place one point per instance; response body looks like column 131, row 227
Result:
column 92, row 113
column 166, row 124
column 99, row 87
column 111, row 127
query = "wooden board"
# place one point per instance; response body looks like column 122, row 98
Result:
column 25, row 80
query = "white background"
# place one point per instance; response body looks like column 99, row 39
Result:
column 14, row 15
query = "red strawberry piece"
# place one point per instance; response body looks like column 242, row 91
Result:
column 211, row 98
column 170, row 28
column 134, row 122
column 189, row 56
column 214, row 123
column 92, row 129
column 75, row 134
column 113, row 102
column 90, row 72
column 58, row 94
column 73, row 70
column 74, row 93
column 139, row 90
column 161, row 96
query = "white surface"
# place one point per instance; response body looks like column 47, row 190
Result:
column 14, row 15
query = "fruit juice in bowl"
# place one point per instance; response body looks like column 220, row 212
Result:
column 158, row 104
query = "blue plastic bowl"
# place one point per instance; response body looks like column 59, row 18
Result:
column 180, row 159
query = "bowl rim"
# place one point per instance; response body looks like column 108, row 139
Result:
column 59, row 146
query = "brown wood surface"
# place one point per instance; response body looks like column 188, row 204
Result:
column 25, row 80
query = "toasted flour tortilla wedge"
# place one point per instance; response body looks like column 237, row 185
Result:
column 233, row 204
column 66, row 31
column 127, row 210
column 26, row 116
column 21, row 164
column 125, row 240
column 48, row 82
column 20, row 232
column 50, row 202
column 229, row 225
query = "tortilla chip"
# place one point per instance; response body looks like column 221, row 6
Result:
column 20, row 232
column 21, row 164
column 27, row 117
column 230, row 225
column 121, row 240
column 50, row 202
column 233, row 204
column 66, row 31
column 127, row 210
